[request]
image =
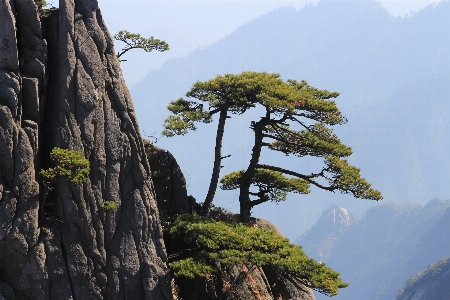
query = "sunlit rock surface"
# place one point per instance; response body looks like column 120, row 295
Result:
column 61, row 86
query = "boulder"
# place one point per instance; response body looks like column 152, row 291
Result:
column 169, row 181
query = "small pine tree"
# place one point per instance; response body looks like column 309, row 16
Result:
column 136, row 41
column 222, row 95
column 68, row 164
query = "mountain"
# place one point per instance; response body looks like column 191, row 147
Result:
column 392, row 74
column 319, row 241
column 430, row 284
column 378, row 253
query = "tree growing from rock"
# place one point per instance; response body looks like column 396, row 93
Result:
column 136, row 41
column 68, row 164
column 222, row 95
column 287, row 105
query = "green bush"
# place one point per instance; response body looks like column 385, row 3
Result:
column 208, row 242
column 69, row 164
column 110, row 205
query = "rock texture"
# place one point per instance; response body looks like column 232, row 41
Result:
column 169, row 181
column 61, row 86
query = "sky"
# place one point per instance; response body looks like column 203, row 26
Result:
column 187, row 25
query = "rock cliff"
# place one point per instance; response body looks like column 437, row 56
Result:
column 332, row 224
column 61, row 86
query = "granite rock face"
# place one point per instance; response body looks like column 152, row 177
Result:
column 169, row 181
column 61, row 86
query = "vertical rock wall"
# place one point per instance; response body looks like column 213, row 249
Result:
column 170, row 184
column 61, row 86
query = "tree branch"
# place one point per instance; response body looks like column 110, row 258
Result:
column 305, row 177
column 257, row 202
column 184, row 254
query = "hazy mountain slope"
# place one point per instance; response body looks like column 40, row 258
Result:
column 430, row 284
column 404, row 143
column 353, row 47
column 377, row 254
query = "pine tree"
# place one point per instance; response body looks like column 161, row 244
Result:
column 287, row 105
column 222, row 95
column 136, row 41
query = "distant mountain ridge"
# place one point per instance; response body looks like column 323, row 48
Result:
column 377, row 63
column 430, row 284
column 377, row 254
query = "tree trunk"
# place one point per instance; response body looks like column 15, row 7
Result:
column 245, row 210
column 246, row 180
column 217, row 160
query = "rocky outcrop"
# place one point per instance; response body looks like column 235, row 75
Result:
column 61, row 86
column 243, row 282
column 169, row 181
column 332, row 224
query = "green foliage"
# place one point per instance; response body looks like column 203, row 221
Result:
column 238, row 93
column 69, row 164
column 185, row 114
column 110, row 205
column 136, row 41
column 317, row 140
column 234, row 93
column 191, row 267
column 43, row 4
column 273, row 185
column 229, row 244
column 286, row 104
column 346, row 178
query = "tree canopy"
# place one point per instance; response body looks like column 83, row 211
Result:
column 297, row 121
column 207, row 242
column 272, row 185
column 136, row 41
column 221, row 95
column 69, row 164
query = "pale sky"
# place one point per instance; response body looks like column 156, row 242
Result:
column 186, row 25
